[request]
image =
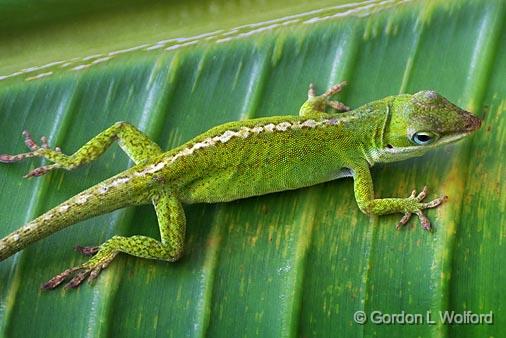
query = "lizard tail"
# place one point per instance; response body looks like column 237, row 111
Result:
column 87, row 204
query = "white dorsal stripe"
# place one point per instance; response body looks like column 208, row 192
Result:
column 245, row 132
column 64, row 208
column 82, row 199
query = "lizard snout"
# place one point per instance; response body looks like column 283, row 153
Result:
column 472, row 122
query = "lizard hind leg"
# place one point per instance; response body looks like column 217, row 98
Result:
column 137, row 146
column 315, row 105
column 172, row 223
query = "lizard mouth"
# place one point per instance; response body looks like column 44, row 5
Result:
column 391, row 153
column 453, row 137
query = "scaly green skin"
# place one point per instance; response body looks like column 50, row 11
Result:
column 242, row 159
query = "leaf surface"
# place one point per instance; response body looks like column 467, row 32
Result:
column 297, row 263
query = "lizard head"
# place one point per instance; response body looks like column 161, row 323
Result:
column 421, row 122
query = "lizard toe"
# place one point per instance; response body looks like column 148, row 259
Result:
column 436, row 202
column 404, row 220
column 58, row 279
column 30, row 142
column 87, row 250
column 41, row 170
column 424, row 221
column 78, row 279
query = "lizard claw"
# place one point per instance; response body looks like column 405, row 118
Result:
column 424, row 221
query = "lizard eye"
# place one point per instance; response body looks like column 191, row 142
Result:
column 423, row 137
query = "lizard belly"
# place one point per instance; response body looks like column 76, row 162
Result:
column 231, row 185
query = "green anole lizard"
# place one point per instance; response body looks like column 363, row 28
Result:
column 242, row 159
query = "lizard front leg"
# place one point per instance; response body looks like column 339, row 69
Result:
column 413, row 204
column 172, row 223
column 137, row 146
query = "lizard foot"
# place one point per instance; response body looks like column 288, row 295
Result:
column 417, row 199
column 89, row 270
column 35, row 150
column 317, row 104
column 326, row 96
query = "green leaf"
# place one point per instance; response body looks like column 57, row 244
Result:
column 297, row 263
